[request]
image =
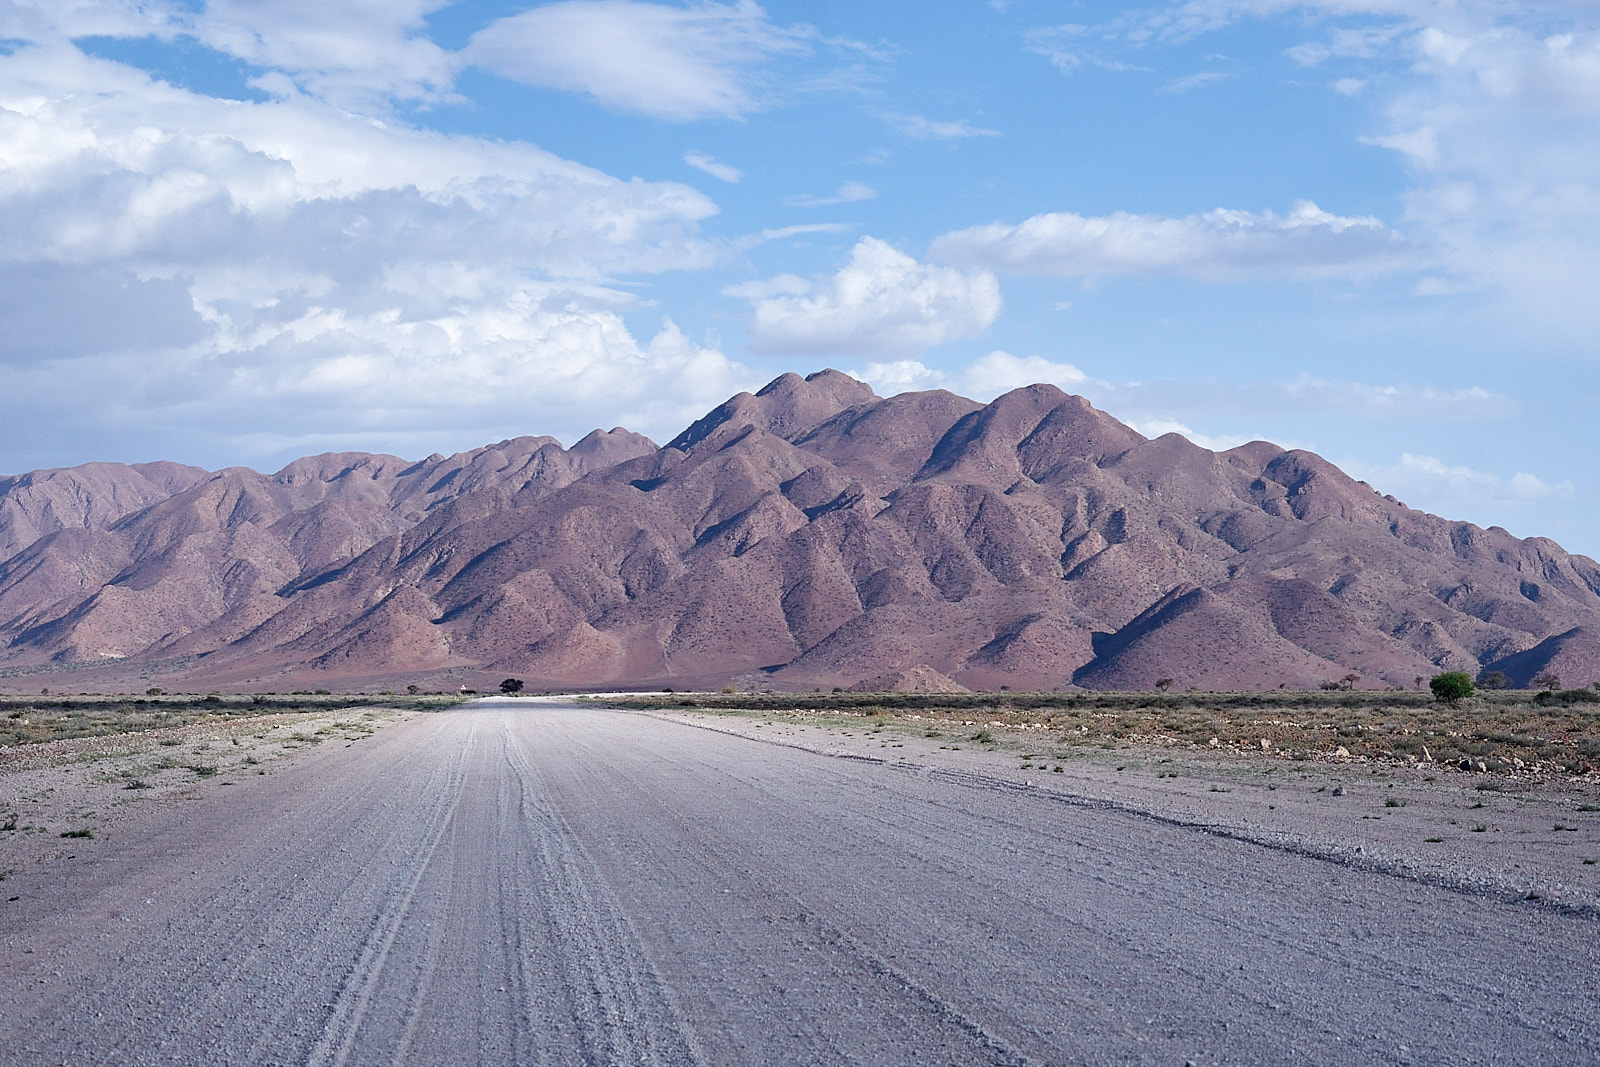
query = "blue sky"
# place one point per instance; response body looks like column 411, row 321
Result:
column 236, row 232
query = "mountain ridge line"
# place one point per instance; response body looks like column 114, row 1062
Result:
column 808, row 535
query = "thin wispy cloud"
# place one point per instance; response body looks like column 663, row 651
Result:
column 1431, row 484
column 355, row 53
column 926, row 129
column 1218, row 245
column 1071, row 46
column 1195, row 81
column 781, row 232
column 849, row 193
column 1180, row 400
column 720, row 171
column 1062, row 45
column 676, row 63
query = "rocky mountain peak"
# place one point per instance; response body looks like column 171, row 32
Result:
column 788, row 406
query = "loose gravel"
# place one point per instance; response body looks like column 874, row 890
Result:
column 533, row 882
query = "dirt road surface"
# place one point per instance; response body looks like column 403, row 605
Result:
column 526, row 883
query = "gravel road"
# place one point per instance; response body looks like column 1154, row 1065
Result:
column 527, row 883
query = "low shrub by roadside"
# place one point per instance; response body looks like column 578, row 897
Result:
column 1502, row 732
column 30, row 720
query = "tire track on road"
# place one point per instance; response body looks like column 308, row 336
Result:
column 721, row 863
column 622, row 1009
column 334, row 1046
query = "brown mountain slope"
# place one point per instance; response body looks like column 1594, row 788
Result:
column 213, row 556
column 90, row 497
column 811, row 534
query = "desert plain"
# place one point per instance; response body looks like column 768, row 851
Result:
column 1013, row 737
column 628, row 879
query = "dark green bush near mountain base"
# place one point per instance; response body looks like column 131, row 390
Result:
column 1451, row 686
column 1566, row 697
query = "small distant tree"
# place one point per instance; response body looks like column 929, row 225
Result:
column 1451, row 686
column 1163, row 684
column 1548, row 680
column 412, row 688
column 154, row 691
column 1493, row 680
column 1349, row 681
column 511, row 686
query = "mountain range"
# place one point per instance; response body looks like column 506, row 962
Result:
column 807, row 536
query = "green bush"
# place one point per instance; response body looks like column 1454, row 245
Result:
column 1566, row 697
column 1451, row 686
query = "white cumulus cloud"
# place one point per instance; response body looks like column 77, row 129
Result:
column 883, row 302
column 224, row 271
column 1000, row 372
column 1501, row 130
column 1493, row 106
column 37, row 20
column 983, row 379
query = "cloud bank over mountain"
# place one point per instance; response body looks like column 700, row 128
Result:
column 237, row 231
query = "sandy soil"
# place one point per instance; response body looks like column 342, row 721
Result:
column 1535, row 839
column 98, row 786
column 531, row 882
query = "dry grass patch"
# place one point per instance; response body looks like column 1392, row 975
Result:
column 33, row 720
column 1502, row 732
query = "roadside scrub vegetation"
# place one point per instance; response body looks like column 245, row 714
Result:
column 30, row 720
column 1496, row 731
